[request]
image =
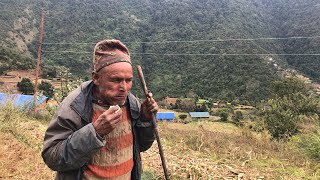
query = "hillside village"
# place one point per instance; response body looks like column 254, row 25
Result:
column 172, row 108
column 10, row 80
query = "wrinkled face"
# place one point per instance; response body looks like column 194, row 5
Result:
column 114, row 82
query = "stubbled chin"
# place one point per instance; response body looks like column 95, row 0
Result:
column 119, row 102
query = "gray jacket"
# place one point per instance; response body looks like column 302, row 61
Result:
column 70, row 140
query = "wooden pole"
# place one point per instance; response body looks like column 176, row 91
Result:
column 154, row 122
column 39, row 59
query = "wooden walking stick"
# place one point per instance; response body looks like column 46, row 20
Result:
column 154, row 122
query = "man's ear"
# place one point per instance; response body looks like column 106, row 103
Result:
column 95, row 78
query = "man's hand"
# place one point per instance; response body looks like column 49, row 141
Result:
column 148, row 107
column 108, row 120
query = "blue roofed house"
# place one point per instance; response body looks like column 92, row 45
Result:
column 165, row 116
column 24, row 102
column 199, row 114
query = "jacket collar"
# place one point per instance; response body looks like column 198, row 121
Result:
column 82, row 104
column 134, row 106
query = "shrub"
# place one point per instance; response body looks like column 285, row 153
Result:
column 25, row 86
column 224, row 113
column 285, row 114
column 224, row 116
column 47, row 88
column 309, row 144
column 282, row 124
column 183, row 116
column 237, row 117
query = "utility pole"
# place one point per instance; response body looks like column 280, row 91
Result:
column 67, row 81
column 61, row 84
column 39, row 59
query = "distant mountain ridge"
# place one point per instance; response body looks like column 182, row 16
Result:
column 185, row 47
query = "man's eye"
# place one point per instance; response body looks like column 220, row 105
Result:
column 128, row 80
column 117, row 80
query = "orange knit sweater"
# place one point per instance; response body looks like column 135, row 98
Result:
column 114, row 160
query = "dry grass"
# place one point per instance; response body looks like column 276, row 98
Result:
column 199, row 150
column 204, row 150
column 21, row 141
column 19, row 161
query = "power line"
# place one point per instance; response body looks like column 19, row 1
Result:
column 193, row 54
column 69, row 43
column 245, row 54
column 192, row 41
column 75, row 52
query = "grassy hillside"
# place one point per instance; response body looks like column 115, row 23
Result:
column 183, row 46
column 198, row 150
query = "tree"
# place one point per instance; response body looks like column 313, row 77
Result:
column 47, row 88
column 224, row 113
column 287, row 86
column 25, row 86
column 49, row 72
column 288, row 108
column 202, row 108
column 284, row 115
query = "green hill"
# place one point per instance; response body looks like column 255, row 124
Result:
column 185, row 47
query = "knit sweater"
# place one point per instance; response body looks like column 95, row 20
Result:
column 115, row 160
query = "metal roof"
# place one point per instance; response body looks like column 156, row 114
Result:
column 24, row 102
column 165, row 115
column 199, row 114
column 201, row 101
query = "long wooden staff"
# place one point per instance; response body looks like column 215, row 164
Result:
column 154, row 121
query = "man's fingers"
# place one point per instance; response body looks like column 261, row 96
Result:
column 116, row 121
column 149, row 95
column 151, row 105
column 152, row 108
column 115, row 109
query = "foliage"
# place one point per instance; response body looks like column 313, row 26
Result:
column 287, row 87
column 201, row 108
column 185, row 104
column 237, row 117
column 11, row 60
column 48, row 72
column 256, row 125
column 25, row 86
column 281, row 123
column 46, row 88
column 289, row 108
column 183, row 116
column 309, row 144
column 67, row 86
column 283, row 115
column 224, row 114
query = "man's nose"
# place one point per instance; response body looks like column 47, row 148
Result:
column 123, row 85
